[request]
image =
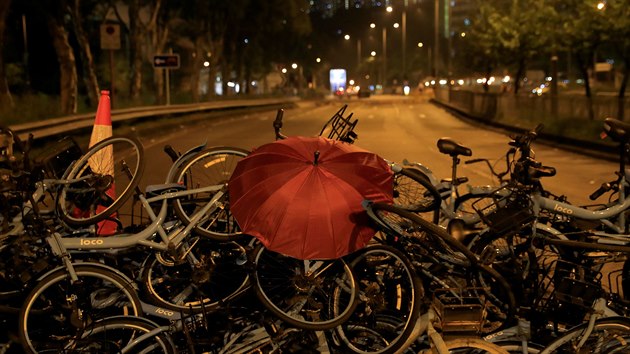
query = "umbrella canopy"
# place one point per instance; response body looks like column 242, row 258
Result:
column 302, row 196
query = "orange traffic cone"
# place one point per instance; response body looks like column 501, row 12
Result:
column 103, row 161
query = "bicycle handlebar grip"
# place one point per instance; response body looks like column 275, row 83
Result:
column 605, row 187
column 171, row 152
column 467, row 162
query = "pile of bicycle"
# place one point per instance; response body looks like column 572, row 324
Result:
column 92, row 263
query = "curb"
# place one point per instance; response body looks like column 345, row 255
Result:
column 583, row 147
column 53, row 128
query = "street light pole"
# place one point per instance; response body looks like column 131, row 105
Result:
column 358, row 54
column 384, row 57
column 436, row 33
column 404, row 43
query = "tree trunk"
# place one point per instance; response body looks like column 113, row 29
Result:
column 158, row 42
column 200, row 50
column 486, row 86
column 622, row 90
column 583, row 65
column 519, row 75
column 5, row 95
column 67, row 66
column 89, row 74
column 136, row 32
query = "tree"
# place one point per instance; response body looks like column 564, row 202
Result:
column 55, row 19
column 487, row 38
column 617, row 15
column 140, row 24
column 90, row 80
column 5, row 94
column 583, row 31
column 510, row 33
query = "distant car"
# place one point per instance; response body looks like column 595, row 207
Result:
column 363, row 93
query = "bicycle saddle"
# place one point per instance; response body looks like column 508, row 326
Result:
column 619, row 131
column 450, row 147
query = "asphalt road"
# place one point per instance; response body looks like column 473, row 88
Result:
column 396, row 128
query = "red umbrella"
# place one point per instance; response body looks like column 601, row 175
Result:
column 302, row 196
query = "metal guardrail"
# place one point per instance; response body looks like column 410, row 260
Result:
column 51, row 128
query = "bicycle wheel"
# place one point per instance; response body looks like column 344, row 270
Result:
column 211, row 274
column 517, row 347
column 210, row 167
column 473, row 346
column 313, row 295
column 390, row 295
column 445, row 263
column 56, row 310
column 523, row 261
column 115, row 334
column 414, row 192
column 105, row 177
column 609, row 335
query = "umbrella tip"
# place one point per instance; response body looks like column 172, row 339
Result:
column 316, row 157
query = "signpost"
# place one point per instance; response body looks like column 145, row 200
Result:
column 110, row 40
column 166, row 62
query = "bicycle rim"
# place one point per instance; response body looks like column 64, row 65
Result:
column 109, row 172
column 314, row 295
column 609, row 336
column 217, row 274
column 390, row 296
column 114, row 334
column 210, row 167
column 56, row 311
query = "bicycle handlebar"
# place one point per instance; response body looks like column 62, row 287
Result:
column 277, row 125
column 605, row 187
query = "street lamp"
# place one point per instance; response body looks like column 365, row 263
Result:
column 347, row 37
column 404, row 37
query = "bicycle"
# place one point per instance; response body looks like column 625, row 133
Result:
column 27, row 227
column 237, row 330
column 172, row 241
column 411, row 191
column 438, row 261
column 455, row 210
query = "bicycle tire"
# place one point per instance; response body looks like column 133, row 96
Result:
column 441, row 255
column 474, row 346
column 81, row 204
column 414, row 192
column 306, row 299
column 399, row 221
column 609, row 335
column 209, row 167
column 113, row 335
column 389, row 302
column 516, row 347
column 219, row 274
column 524, row 262
column 40, row 330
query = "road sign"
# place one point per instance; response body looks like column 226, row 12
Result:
column 167, row 61
column 110, row 36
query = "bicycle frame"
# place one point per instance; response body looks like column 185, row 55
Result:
column 168, row 240
column 603, row 215
column 449, row 192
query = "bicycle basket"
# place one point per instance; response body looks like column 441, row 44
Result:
column 58, row 157
column 567, row 291
column 509, row 210
column 459, row 310
column 340, row 128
